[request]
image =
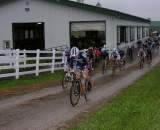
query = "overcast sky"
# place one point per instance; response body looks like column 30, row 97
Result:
column 142, row 8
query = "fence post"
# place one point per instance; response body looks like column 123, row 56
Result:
column 11, row 58
column 64, row 60
column 53, row 60
column 24, row 56
column 17, row 64
column 37, row 62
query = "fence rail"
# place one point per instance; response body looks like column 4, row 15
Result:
column 16, row 63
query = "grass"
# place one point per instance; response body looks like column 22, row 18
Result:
column 137, row 108
column 30, row 80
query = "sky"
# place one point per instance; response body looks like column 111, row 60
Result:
column 142, row 8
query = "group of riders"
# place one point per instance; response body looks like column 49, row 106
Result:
column 146, row 49
column 84, row 61
column 87, row 58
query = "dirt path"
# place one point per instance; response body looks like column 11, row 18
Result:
column 48, row 110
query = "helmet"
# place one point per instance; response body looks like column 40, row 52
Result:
column 103, row 49
column 74, row 52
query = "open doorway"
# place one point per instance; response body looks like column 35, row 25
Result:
column 29, row 36
column 87, row 34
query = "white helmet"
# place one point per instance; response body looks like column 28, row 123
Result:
column 74, row 52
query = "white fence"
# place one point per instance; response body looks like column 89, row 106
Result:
column 16, row 63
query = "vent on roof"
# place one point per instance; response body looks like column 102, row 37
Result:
column 98, row 4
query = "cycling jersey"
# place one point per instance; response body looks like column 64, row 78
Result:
column 67, row 54
column 82, row 61
column 141, row 53
column 105, row 53
column 121, row 53
column 90, row 54
column 115, row 55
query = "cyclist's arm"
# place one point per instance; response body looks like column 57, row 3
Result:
column 144, row 53
column 138, row 53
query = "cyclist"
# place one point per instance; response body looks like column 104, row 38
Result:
column 105, row 53
column 73, row 57
column 82, row 61
column 67, row 56
column 122, row 56
column 115, row 54
column 141, row 55
column 149, row 53
column 90, row 56
column 105, row 58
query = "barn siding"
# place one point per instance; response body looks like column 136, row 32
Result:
column 57, row 18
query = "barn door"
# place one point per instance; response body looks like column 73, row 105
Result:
column 29, row 36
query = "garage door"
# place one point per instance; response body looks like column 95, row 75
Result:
column 88, row 26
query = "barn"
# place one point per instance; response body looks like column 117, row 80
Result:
column 45, row 24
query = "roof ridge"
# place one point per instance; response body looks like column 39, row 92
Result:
column 102, row 10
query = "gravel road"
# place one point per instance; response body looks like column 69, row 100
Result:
column 50, row 108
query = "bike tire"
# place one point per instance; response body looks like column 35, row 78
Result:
column 64, row 82
column 103, row 68
column 75, row 91
column 88, row 86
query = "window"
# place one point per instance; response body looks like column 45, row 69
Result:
column 31, row 34
column 143, row 32
column 122, row 34
column 127, row 34
column 118, row 36
column 7, row 44
column 147, row 31
column 138, row 32
column 132, row 33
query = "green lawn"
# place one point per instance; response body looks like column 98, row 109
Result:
column 31, row 80
column 137, row 108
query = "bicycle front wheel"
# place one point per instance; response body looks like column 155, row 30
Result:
column 103, row 67
column 75, row 93
column 88, row 86
column 65, row 82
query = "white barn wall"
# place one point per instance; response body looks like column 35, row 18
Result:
column 56, row 18
column 14, row 12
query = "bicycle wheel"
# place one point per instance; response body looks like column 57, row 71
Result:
column 141, row 64
column 88, row 86
column 114, row 67
column 103, row 67
column 75, row 93
column 66, row 81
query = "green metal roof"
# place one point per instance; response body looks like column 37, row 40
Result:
column 101, row 10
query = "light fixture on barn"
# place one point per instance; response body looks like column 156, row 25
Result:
column 39, row 23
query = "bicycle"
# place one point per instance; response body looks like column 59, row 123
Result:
column 114, row 65
column 104, row 66
column 121, row 63
column 80, row 87
column 141, row 62
column 67, row 79
column 149, row 58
